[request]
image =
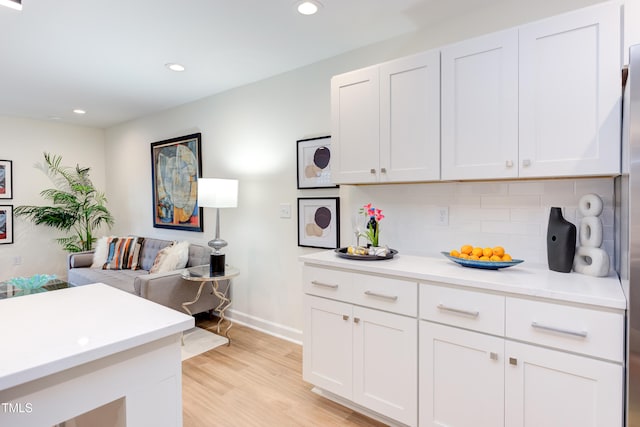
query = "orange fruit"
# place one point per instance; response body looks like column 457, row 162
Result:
column 498, row 250
column 454, row 253
column 466, row 249
column 474, row 257
column 484, row 258
column 464, row 256
column 477, row 252
column 495, row 258
column 487, row 252
column 506, row 257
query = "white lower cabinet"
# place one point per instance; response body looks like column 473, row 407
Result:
column 555, row 389
column 367, row 356
column 461, row 377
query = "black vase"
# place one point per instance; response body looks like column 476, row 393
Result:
column 561, row 242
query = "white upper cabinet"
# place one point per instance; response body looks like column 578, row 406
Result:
column 386, row 122
column 570, row 93
column 410, row 118
column 355, row 99
column 542, row 100
column 480, row 107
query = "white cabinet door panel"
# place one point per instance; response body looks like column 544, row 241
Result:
column 327, row 350
column 554, row 389
column 480, row 107
column 461, row 378
column 570, row 79
column 355, row 126
column 385, row 364
column 410, row 118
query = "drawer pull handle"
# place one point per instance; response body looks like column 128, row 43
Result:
column 582, row 334
column 324, row 285
column 458, row 310
column 356, row 320
column 374, row 294
column 345, row 317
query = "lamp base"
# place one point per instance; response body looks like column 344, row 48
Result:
column 216, row 265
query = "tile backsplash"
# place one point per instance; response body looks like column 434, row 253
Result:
column 513, row 214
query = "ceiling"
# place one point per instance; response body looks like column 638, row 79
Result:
column 107, row 56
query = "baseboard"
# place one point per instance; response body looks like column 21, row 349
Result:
column 354, row 406
column 266, row 326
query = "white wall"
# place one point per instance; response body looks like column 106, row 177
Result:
column 23, row 142
column 250, row 133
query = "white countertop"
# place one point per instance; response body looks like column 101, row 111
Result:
column 48, row 332
column 522, row 279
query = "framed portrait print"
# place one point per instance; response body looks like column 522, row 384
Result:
column 6, row 179
column 319, row 222
column 314, row 163
column 176, row 165
column 6, row 224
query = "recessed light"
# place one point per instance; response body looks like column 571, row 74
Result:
column 13, row 4
column 174, row 66
column 308, row 7
column 79, row 111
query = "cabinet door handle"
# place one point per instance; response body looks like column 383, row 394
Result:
column 526, row 163
column 509, row 163
column 493, row 355
column 471, row 313
column 356, row 320
column 373, row 171
column 324, row 285
column 383, row 170
column 345, row 317
column 581, row 334
column 375, row 294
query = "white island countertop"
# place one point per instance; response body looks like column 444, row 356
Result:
column 52, row 331
column 523, row 279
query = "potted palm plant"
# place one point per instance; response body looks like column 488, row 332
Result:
column 77, row 206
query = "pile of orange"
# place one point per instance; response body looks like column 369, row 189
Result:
column 477, row 253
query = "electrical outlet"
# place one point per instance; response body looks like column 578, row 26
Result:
column 443, row 216
column 17, row 260
column 285, row 210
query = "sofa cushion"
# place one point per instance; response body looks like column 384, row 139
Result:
column 150, row 250
column 121, row 279
column 171, row 258
column 198, row 255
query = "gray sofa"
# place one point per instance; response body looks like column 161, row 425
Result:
column 168, row 289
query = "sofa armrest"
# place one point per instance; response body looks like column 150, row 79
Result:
column 143, row 284
column 80, row 259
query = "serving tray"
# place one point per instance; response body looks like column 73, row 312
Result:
column 487, row 265
column 342, row 253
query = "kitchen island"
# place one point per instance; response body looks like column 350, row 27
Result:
column 90, row 353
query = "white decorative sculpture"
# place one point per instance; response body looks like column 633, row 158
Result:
column 590, row 259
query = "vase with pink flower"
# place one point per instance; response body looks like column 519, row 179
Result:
column 372, row 230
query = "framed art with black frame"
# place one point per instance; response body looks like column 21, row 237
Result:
column 314, row 163
column 176, row 165
column 6, row 179
column 319, row 222
column 6, row 224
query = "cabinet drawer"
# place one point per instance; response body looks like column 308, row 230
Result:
column 393, row 295
column 576, row 329
column 467, row 309
column 327, row 283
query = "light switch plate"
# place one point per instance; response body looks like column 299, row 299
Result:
column 285, row 210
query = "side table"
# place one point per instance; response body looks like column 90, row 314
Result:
column 200, row 274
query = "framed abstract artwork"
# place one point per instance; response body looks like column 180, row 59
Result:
column 176, row 165
column 6, row 224
column 314, row 163
column 319, row 222
column 6, row 179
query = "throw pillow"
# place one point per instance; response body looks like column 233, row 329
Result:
column 171, row 258
column 101, row 252
column 122, row 253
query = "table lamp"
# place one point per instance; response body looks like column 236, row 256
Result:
column 217, row 193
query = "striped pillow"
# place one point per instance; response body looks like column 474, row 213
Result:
column 123, row 253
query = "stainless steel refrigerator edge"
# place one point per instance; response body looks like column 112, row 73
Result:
column 627, row 214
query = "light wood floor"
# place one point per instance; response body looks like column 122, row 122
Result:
column 257, row 381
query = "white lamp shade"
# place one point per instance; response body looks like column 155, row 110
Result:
column 217, row 193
